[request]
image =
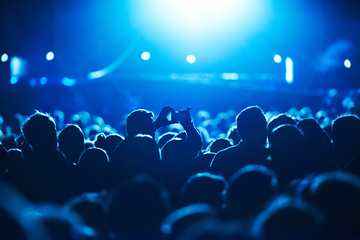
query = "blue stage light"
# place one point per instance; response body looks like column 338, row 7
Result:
column 14, row 80
column 68, row 82
column 43, row 80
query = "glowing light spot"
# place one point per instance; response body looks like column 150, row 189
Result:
column 347, row 63
column 50, row 56
column 230, row 76
column 68, row 82
column 190, row 59
column 43, row 80
column 14, row 80
column 145, row 56
column 4, row 57
column 277, row 58
column 289, row 70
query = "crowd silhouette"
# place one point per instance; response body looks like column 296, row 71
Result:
column 180, row 175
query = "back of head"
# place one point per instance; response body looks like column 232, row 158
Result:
column 346, row 138
column 94, row 159
column 337, row 193
column 288, row 218
column 279, row 120
column 219, row 144
column 138, row 207
column 252, row 125
column 287, row 152
column 204, row 188
column 40, row 132
column 71, row 142
column 140, row 122
column 249, row 189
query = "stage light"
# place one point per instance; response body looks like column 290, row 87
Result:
column 347, row 63
column 289, row 70
column 200, row 24
column 230, row 76
column 277, row 58
column 50, row 56
column 14, row 80
column 68, row 82
column 190, row 59
column 145, row 56
column 43, row 80
column 4, row 57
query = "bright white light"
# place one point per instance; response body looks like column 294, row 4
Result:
column 145, row 56
column 50, row 56
column 199, row 23
column 289, row 70
column 347, row 63
column 190, row 59
column 4, row 57
column 230, row 76
column 43, row 80
column 277, row 58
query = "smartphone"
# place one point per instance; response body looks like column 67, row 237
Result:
column 178, row 116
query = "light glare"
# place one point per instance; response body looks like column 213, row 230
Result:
column 347, row 63
column 277, row 58
column 289, row 70
column 190, row 59
column 4, row 57
column 50, row 56
column 145, row 56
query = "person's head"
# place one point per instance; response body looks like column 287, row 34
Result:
column 140, row 122
column 164, row 138
column 279, row 120
column 249, row 189
column 137, row 208
column 94, row 159
column 39, row 131
column 204, row 188
column 71, row 142
column 219, row 144
column 287, row 152
column 288, row 218
column 346, row 138
column 337, row 193
column 252, row 125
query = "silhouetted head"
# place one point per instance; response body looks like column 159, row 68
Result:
column 138, row 207
column 204, row 188
column 249, row 189
column 140, row 122
column 219, row 144
column 40, row 132
column 279, row 120
column 71, row 142
column 346, row 138
column 287, row 152
column 337, row 193
column 94, row 159
column 164, row 138
column 252, row 125
column 288, row 218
